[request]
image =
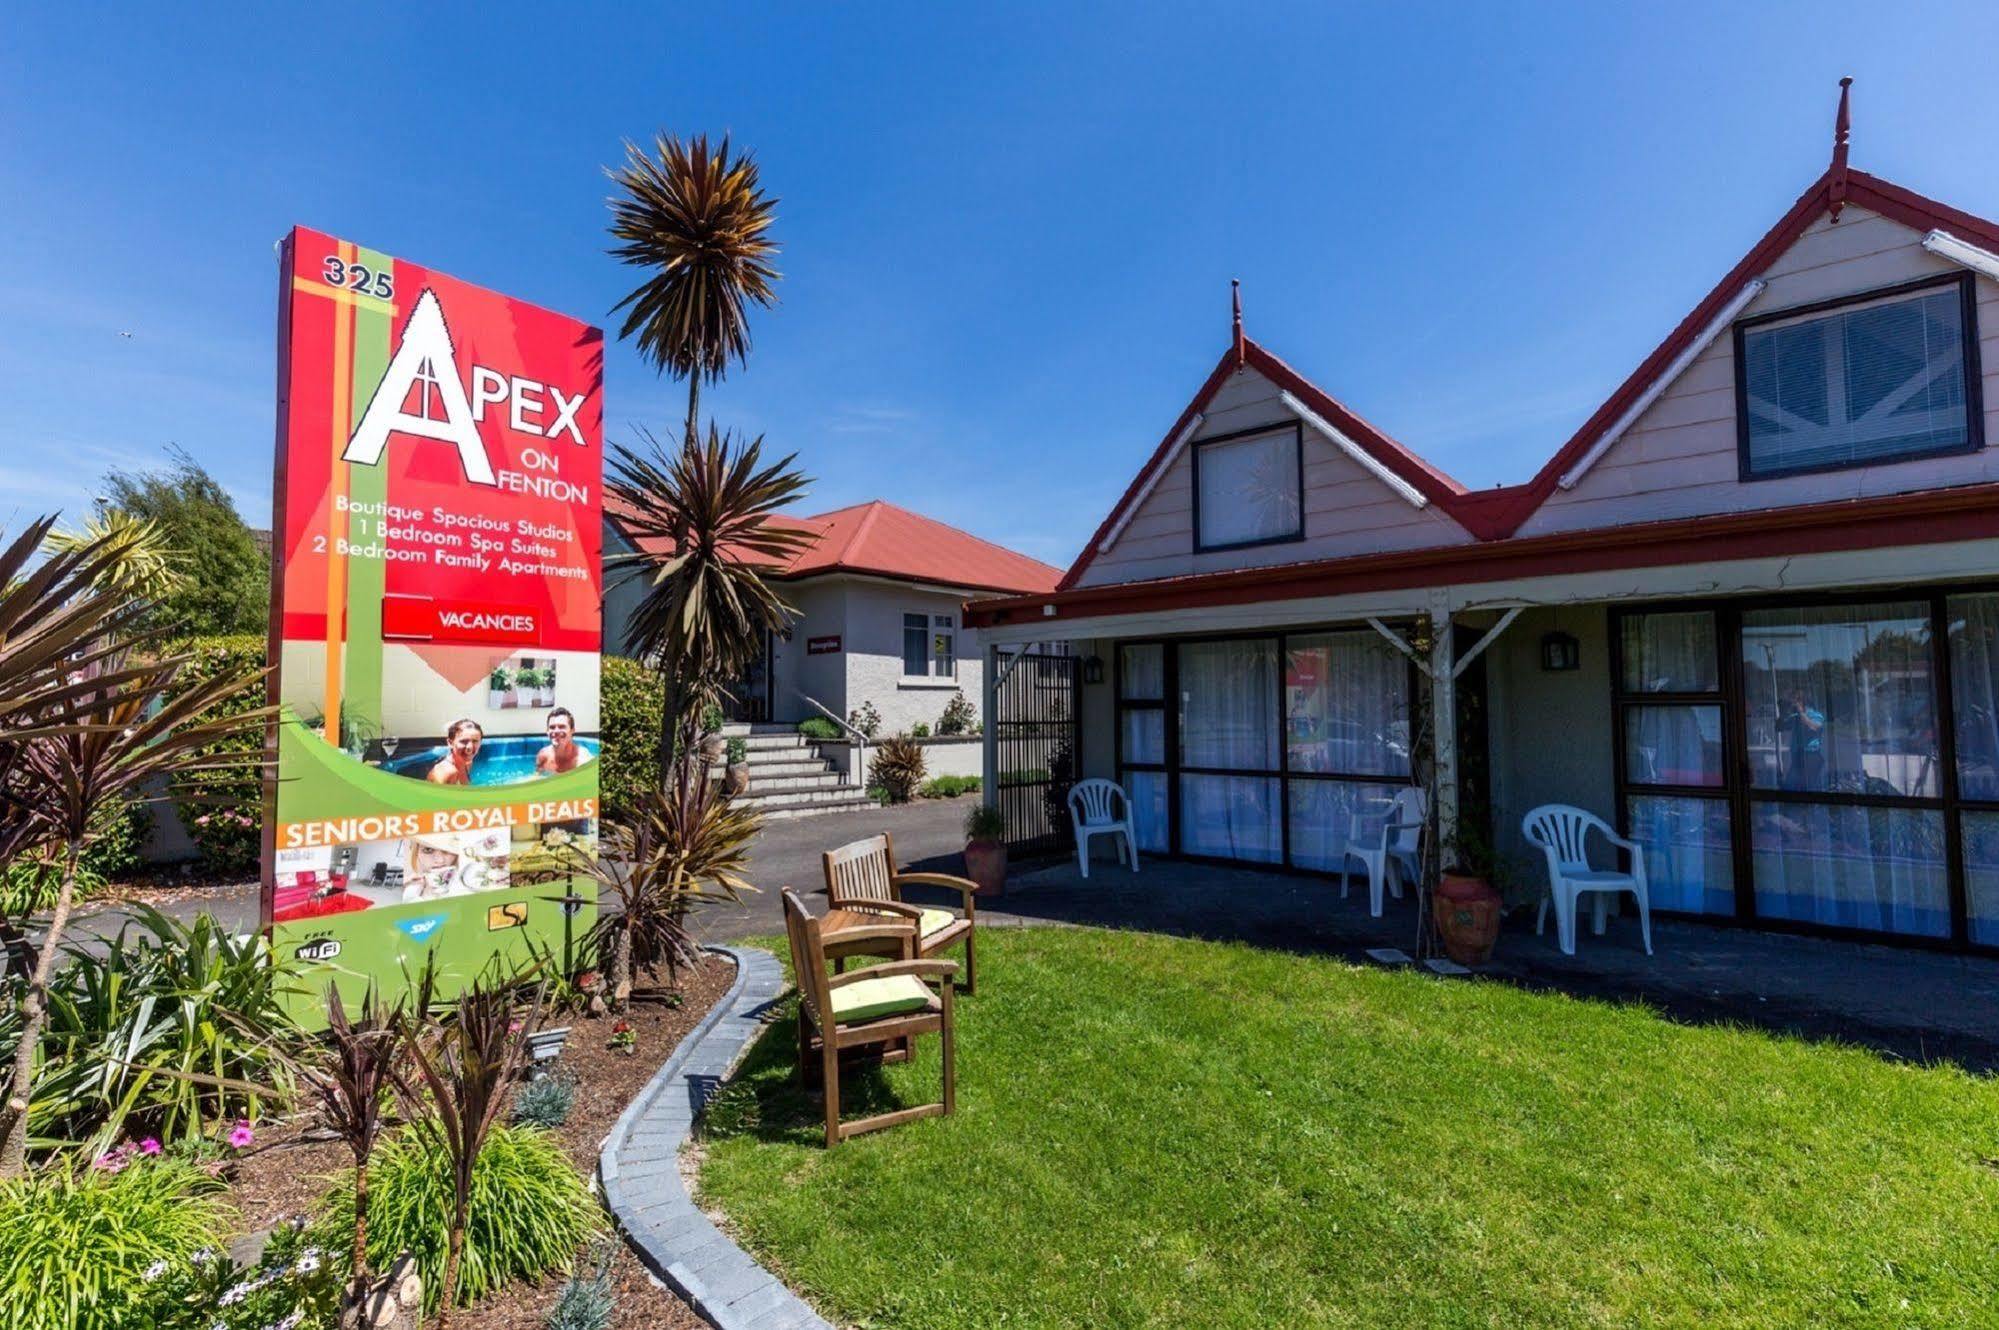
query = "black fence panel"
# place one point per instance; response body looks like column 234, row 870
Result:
column 1036, row 738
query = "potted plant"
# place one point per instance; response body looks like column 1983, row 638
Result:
column 548, row 684
column 738, row 778
column 711, row 734
column 1468, row 904
column 497, row 684
column 527, row 683
column 985, row 848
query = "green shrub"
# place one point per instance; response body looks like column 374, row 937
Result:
column 984, row 822
column 531, row 1211
column 958, row 717
column 545, row 1103
column 628, row 756
column 75, row 1247
column 134, row 1018
column 223, row 810
column 738, row 751
column 920, row 730
column 897, row 767
column 948, row 787
column 820, row 729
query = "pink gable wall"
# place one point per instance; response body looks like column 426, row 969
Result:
column 1679, row 458
column 1348, row 510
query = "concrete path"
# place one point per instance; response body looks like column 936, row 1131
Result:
column 929, row 834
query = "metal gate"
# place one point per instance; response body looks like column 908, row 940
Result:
column 1035, row 747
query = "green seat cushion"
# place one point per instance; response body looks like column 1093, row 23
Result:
column 873, row 998
column 933, row 920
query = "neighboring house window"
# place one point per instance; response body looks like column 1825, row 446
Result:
column 1878, row 379
column 929, row 646
column 1248, row 488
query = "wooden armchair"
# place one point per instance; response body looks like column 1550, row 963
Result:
column 881, row 1004
column 861, row 876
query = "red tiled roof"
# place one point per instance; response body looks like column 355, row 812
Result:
column 879, row 539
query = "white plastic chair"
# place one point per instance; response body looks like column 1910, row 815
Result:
column 1562, row 833
column 1101, row 808
column 1390, row 850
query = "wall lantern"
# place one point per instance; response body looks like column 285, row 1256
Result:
column 1093, row 670
column 1559, row 651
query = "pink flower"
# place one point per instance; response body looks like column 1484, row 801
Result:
column 112, row 1161
column 241, row 1136
column 149, row 1146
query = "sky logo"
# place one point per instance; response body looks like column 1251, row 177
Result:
column 423, row 929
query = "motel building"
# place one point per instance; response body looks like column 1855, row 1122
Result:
column 1749, row 613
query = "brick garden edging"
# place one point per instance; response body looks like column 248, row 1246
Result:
column 639, row 1166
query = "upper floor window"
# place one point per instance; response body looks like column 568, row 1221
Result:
column 1248, row 488
column 1876, row 379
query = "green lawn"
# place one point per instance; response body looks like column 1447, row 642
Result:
column 1160, row 1132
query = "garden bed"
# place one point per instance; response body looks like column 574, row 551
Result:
column 1156, row 1131
column 285, row 1177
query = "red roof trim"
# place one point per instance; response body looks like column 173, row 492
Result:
column 1969, row 512
column 1429, row 481
column 1497, row 513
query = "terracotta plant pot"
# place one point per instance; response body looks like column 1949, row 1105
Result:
column 713, row 746
column 985, row 864
column 1467, row 912
column 737, row 780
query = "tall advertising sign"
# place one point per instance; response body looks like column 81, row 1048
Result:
column 436, row 621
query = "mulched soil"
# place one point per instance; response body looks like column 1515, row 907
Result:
column 287, row 1174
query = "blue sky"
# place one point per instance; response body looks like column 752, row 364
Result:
column 1007, row 232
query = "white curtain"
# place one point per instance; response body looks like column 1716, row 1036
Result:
column 1670, row 653
column 1142, row 673
column 1974, row 681
column 1346, row 705
column 1851, row 867
column 1228, row 705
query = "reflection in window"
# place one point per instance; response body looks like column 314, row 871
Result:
column 1851, row 867
column 1249, row 490
column 1981, row 875
column 1231, row 817
column 1346, row 705
column 1672, row 745
column 1869, row 383
column 1974, row 681
column 1148, row 807
column 1688, row 864
column 1324, row 815
column 1840, row 698
column 1142, row 673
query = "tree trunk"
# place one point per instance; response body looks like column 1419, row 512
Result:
column 694, row 409
column 358, row 1294
column 454, row 1247
column 34, row 1015
column 621, row 971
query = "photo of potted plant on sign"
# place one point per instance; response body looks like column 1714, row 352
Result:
column 435, row 625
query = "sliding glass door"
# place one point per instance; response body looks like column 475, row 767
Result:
column 1828, row 764
column 1261, row 749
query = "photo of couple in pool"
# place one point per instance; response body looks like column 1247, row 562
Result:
column 454, row 714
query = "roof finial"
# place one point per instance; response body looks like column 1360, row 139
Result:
column 1235, row 298
column 1841, row 128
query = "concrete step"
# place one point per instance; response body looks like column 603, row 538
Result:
column 819, row 780
column 781, row 809
column 789, row 742
column 816, row 794
column 777, row 765
column 743, row 729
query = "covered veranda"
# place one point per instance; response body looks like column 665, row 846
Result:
column 1794, row 714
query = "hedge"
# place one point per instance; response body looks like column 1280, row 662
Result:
column 222, row 811
column 629, row 704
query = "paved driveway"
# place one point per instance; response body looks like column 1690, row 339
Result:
column 929, row 834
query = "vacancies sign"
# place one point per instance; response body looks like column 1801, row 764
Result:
column 436, row 620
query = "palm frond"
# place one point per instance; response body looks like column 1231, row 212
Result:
column 696, row 214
